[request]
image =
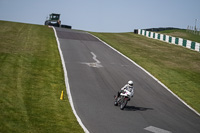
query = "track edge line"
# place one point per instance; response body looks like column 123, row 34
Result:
column 67, row 84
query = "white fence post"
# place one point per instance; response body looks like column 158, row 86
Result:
column 180, row 42
column 188, row 45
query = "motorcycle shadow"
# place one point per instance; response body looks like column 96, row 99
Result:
column 133, row 108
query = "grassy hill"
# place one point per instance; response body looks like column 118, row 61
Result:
column 31, row 81
column 31, row 75
column 177, row 67
column 182, row 34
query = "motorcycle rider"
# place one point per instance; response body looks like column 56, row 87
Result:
column 129, row 87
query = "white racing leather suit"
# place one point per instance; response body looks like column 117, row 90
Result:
column 129, row 88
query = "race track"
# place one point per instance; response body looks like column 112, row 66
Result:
column 96, row 72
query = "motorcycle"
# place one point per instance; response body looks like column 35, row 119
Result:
column 123, row 99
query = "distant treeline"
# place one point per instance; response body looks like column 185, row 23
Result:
column 156, row 29
column 161, row 29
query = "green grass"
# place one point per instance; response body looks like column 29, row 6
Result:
column 177, row 67
column 182, row 34
column 31, row 81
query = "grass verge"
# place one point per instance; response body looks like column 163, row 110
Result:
column 31, row 81
column 177, row 67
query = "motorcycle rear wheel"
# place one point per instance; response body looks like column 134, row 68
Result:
column 116, row 103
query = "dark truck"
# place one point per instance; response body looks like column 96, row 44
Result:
column 53, row 20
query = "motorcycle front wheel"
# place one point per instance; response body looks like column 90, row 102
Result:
column 116, row 101
column 123, row 104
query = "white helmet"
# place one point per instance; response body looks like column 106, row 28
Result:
column 130, row 83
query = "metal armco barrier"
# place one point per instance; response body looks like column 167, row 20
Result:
column 173, row 40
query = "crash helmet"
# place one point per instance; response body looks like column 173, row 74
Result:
column 130, row 83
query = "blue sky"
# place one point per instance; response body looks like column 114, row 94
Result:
column 105, row 15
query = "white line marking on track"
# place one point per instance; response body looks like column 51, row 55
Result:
column 156, row 130
column 94, row 64
column 95, row 57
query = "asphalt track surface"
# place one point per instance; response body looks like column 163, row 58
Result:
column 96, row 72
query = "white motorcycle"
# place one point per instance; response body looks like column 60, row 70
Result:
column 123, row 99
